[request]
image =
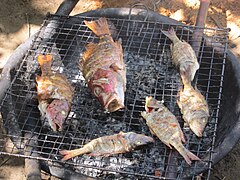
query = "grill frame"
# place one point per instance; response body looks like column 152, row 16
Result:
column 168, row 44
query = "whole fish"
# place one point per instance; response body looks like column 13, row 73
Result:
column 194, row 108
column 184, row 57
column 103, row 67
column 109, row 145
column 55, row 94
column 165, row 126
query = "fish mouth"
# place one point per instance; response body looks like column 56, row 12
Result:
column 198, row 133
column 197, row 129
column 56, row 113
column 147, row 140
column 114, row 103
column 56, row 127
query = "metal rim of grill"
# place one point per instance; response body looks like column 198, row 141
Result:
column 149, row 73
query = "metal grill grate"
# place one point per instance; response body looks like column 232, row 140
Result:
column 149, row 72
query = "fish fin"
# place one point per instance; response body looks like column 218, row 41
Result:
column 182, row 135
column 171, row 35
column 167, row 144
column 104, row 154
column 179, row 103
column 187, row 155
column 119, row 43
column 120, row 134
column 67, row 154
column 98, row 154
column 99, row 27
column 116, row 66
column 144, row 114
column 152, row 131
column 81, row 64
column 90, row 48
column 171, row 47
column 190, row 156
column 185, row 76
column 152, row 103
column 45, row 62
column 38, row 78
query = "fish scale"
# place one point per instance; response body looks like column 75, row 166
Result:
column 165, row 126
column 55, row 95
column 108, row 145
column 103, row 67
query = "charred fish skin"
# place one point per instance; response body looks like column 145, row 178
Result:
column 165, row 126
column 103, row 67
column 109, row 145
column 194, row 109
column 183, row 55
column 55, row 94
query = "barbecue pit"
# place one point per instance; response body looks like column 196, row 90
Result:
column 149, row 73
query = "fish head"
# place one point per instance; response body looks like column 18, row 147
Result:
column 108, row 87
column 135, row 140
column 198, row 125
column 152, row 104
column 56, row 113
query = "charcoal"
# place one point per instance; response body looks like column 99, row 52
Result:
column 150, row 72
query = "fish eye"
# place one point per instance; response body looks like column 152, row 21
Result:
column 97, row 91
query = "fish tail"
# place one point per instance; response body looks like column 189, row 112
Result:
column 187, row 155
column 186, row 80
column 99, row 27
column 45, row 62
column 68, row 154
column 171, row 35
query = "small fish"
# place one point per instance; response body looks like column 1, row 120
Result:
column 165, row 126
column 103, row 67
column 194, row 108
column 184, row 57
column 109, row 145
column 55, row 94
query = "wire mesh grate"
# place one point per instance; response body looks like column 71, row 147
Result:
column 149, row 73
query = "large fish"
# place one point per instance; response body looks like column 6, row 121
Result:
column 165, row 126
column 103, row 67
column 55, row 94
column 194, row 108
column 184, row 57
column 109, row 145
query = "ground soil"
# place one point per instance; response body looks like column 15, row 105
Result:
column 19, row 19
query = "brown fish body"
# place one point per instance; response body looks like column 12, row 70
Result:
column 55, row 94
column 194, row 109
column 184, row 57
column 165, row 126
column 103, row 67
column 109, row 145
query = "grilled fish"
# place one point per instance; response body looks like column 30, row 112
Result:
column 103, row 67
column 165, row 126
column 194, row 108
column 109, row 145
column 184, row 57
column 55, row 94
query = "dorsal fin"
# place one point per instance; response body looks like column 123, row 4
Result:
column 90, row 48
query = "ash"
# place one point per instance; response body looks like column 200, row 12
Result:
column 149, row 73
column 145, row 77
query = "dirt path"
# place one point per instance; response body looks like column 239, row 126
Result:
column 19, row 19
